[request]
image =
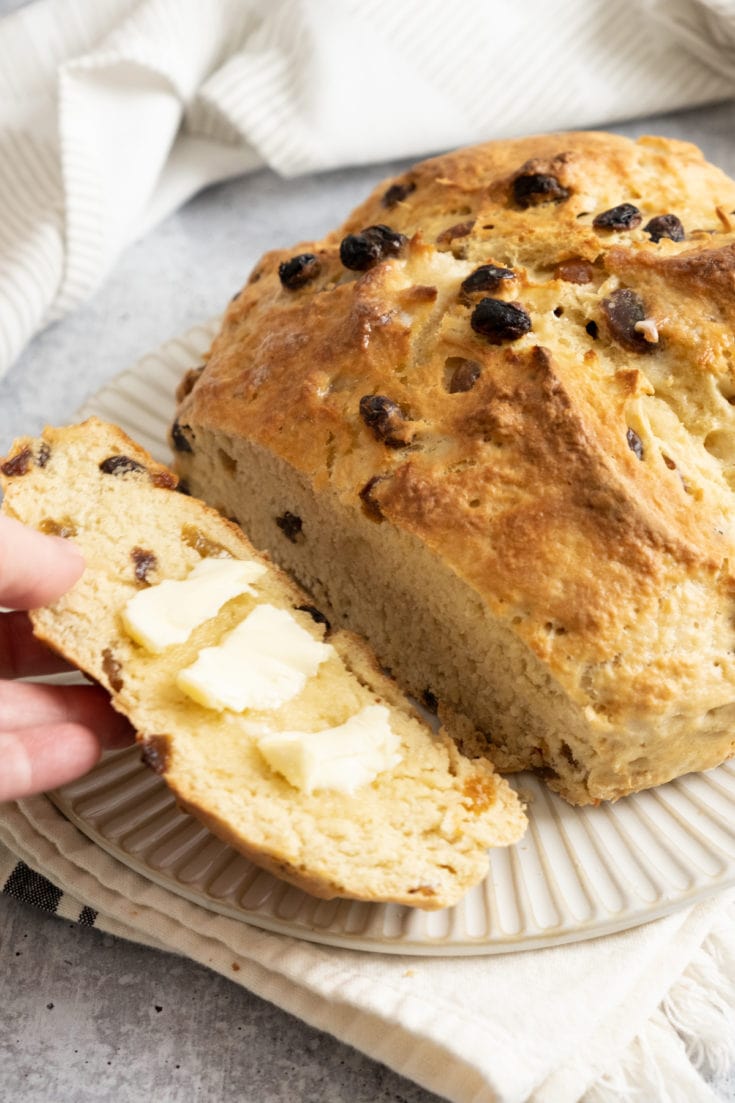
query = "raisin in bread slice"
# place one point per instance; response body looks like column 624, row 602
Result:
column 416, row 834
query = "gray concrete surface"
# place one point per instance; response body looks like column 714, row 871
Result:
column 86, row 1017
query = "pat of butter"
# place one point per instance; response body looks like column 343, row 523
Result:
column 342, row 758
column 169, row 612
column 261, row 664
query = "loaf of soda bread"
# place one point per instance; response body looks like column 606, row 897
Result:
column 417, row 833
column 489, row 424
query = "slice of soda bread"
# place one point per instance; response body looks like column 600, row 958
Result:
column 407, row 819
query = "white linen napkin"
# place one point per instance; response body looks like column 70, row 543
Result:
column 113, row 112
column 635, row 1016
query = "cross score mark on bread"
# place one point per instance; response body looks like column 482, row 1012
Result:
column 496, row 406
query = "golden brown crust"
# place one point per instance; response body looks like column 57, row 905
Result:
column 586, row 475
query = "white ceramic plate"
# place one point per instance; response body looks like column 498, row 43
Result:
column 576, row 874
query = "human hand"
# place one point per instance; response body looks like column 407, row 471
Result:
column 48, row 734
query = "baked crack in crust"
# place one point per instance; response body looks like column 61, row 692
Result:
column 507, row 425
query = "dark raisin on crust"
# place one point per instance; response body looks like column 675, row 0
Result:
column 44, row 454
column 298, row 271
column 155, row 753
column 460, row 229
column 120, row 465
column 665, row 225
column 634, row 443
column 531, row 189
column 499, row 321
column 567, row 753
column 417, row 294
column 623, row 217
column 575, row 270
column 19, row 464
column 144, row 562
column 623, row 311
column 360, row 252
column 488, row 277
column 316, row 615
column 372, row 245
column 124, row 465
column 188, row 382
column 465, row 374
column 179, row 439
column 370, row 506
column 112, row 669
column 291, row 526
column 164, row 479
column 385, row 420
column 396, row 193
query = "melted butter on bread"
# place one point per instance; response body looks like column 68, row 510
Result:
column 167, row 613
column 261, row 664
column 343, row 758
column 416, row 835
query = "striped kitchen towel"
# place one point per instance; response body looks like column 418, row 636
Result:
column 640, row 1015
column 113, row 112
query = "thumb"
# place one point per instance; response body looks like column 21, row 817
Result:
column 34, row 569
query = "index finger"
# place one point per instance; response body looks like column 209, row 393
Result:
column 34, row 569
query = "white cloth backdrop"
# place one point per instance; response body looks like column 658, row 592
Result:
column 113, row 112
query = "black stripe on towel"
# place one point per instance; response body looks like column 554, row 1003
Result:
column 27, row 885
